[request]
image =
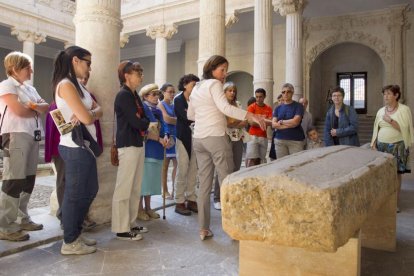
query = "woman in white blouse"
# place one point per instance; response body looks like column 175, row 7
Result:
column 208, row 108
column 21, row 130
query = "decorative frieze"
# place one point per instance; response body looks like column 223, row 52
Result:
column 162, row 30
column 99, row 14
column 26, row 35
column 44, row 2
column 68, row 6
column 285, row 7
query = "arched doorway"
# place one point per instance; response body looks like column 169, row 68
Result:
column 244, row 83
column 333, row 67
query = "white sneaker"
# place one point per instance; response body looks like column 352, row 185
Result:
column 217, row 205
column 87, row 241
column 76, row 248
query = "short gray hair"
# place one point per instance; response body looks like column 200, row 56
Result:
column 288, row 85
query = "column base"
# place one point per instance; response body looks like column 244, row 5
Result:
column 259, row 258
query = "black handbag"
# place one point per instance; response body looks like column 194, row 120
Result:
column 1, row 136
column 80, row 133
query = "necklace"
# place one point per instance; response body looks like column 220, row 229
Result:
column 390, row 111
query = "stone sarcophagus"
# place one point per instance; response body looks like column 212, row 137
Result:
column 314, row 200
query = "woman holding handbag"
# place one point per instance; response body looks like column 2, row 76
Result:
column 131, row 126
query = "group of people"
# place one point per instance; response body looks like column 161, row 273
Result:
column 201, row 130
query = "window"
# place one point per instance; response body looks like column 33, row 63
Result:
column 355, row 86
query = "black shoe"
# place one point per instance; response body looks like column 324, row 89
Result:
column 139, row 229
column 181, row 209
column 128, row 236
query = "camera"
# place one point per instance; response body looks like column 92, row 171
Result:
column 37, row 135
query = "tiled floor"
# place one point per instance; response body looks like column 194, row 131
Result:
column 173, row 247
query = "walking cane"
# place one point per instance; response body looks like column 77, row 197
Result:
column 163, row 193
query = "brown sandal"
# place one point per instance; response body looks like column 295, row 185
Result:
column 206, row 234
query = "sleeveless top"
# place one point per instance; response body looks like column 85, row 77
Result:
column 66, row 139
column 170, row 128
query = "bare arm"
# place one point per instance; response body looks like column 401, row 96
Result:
column 97, row 109
column 21, row 110
column 291, row 123
column 68, row 92
column 167, row 118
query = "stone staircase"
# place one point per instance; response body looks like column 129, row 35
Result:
column 364, row 130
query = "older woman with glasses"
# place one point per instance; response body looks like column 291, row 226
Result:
column 287, row 118
column 21, row 127
column 341, row 123
column 131, row 125
column 393, row 130
column 157, row 139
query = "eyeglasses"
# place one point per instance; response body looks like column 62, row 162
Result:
column 88, row 62
column 155, row 94
column 286, row 91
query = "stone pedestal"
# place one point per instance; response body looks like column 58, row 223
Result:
column 258, row 258
column 316, row 201
column 379, row 230
column 211, row 31
column 98, row 27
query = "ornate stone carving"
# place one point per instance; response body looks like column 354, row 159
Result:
column 232, row 18
column 162, row 30
column 358, row 37
column 123, row 40
column 396, row 16
column 101, row 15
column 44, row 2
column 68, row 6
column 26, row 35
column 284, row 7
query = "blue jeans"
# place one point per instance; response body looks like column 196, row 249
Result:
column 81, row 186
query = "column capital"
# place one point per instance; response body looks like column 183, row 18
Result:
column 123, row 40
column 162, row 30
column 285, row 7
column 26, row 35
column 232, row 18
column 68, row 44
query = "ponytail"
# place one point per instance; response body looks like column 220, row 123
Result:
column 63, row 67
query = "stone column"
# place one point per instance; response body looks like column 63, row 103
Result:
column 263, row 48
column 396, row 26
column 161, row 33
column 29, row 39
column 293, row 9
column 212, row 31
column 98, row 26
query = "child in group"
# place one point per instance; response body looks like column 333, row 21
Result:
column 313, row 141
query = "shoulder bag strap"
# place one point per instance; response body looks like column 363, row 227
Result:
column 4, row 113
column 113, row 128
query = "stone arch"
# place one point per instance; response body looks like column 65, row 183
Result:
column 244, row 83
column 345, row 57
column 366, row 39
column 371, row 41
